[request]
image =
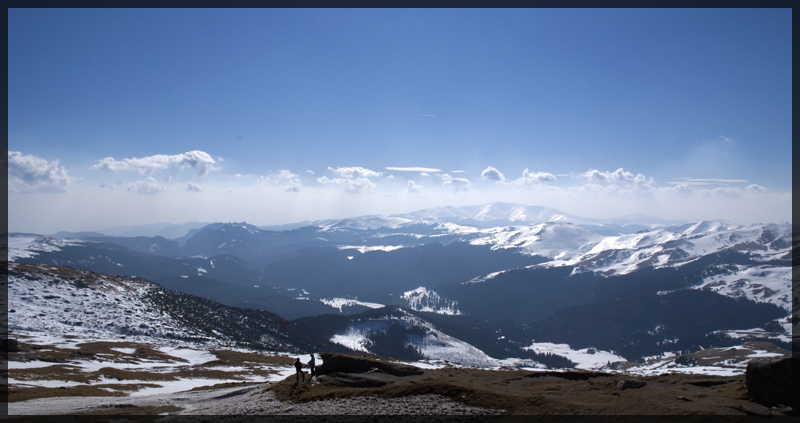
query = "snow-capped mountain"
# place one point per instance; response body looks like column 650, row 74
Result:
column 679, row 245
column 491, row 215
column 532, row 271
column 365, row 223
column 555, row 240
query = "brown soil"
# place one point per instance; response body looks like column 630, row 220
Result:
column 122, row 410
column 527, row 392
column 224, row 385
column 64, row 369
column 17, row 393
column 238, row 358
column 513, row 391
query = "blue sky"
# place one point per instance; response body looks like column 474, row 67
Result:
column 122, row 117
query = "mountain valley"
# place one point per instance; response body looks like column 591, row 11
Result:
column 480, row 286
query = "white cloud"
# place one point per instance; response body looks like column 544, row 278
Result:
column 86, row 206
column 148, row 185
column 353, row 185
column 756, row 188
column 726, row 192
column 414, row 169
column 457, row 184
column 201, row 161
column 353, row 179
column 283, row 178
column 355, row 172
column 493, row 174
column 192, row 187
column 33, row 170
column 707, row 181
column 413, row 187
column 532, row 178
column 618, row 176
column 680, row 190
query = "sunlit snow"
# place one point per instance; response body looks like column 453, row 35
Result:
column 365, row 249
column 586, row 358
column 338, row 303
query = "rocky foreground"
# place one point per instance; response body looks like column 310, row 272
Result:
column 546, row 392
column 360, row 384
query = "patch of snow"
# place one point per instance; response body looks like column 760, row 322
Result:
column 28, row 245
column 365, row 249
column 762, row 353
column 760, row 284
column 354, row 339
column 587, row 358
column 422, row 299
column 191, row 355
column 338, row 303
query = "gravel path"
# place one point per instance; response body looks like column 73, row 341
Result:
column 250, row 400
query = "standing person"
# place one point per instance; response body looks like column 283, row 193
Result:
column 299, row 367
column 311, row 365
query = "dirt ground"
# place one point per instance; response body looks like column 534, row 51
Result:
column 553, row 393
column 452, row 390
column 61, row 369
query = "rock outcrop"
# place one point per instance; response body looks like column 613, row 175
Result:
column 631, row 384
column 9, row 345
column 769, row 381
column 362, row 363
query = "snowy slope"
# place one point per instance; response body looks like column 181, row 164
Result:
column 490, row 215
column 338, row 303
column 676, row 246
column 432, row 344
column 761, row 284
column 557, row 240
column 365, row 223
column 423, row 299
column 61, row 300
column 30, row 245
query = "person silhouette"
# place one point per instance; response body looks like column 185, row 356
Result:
column 311, row 365
column 299, row 367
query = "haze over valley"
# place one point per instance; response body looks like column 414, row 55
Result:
column 415, row 286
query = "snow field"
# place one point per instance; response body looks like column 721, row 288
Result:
column 181, row 357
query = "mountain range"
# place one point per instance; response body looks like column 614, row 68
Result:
column 476, row 285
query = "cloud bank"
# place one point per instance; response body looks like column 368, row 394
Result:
column 198, row 160
column 353, row 179
column 414, row 169
column 493, row 174
column 533, row 178
column 282, row 196
column 30, row 171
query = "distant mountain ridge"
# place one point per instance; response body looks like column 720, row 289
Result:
column 484, row 216
column 500, row 267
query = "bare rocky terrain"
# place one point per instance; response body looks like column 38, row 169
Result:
column 360, row 384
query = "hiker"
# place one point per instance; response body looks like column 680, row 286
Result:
column 299, row 367
column 311, row 365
